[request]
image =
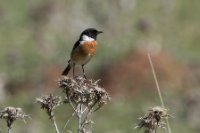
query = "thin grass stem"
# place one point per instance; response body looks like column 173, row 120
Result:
column 158, row 89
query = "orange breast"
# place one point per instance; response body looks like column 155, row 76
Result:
column 89, row 48
column 84, row 52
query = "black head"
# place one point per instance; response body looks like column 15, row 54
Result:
column 91, row 32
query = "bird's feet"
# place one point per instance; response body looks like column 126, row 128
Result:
column 85, row 76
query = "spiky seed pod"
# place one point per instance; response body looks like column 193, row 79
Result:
column 10, row 114
column 153, row 119
column 84, row 91
column 49, row 103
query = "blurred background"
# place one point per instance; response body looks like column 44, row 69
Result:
column 36, row 38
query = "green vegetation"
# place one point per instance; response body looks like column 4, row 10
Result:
column 36, row 38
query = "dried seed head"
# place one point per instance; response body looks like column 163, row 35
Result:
column 153, row 119
column 84, row 91
column 10, row 114
column 49, row 103
column 159, row 111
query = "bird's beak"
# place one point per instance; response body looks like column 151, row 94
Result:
column 99, row 32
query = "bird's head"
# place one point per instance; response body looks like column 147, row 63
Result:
column 89, row 34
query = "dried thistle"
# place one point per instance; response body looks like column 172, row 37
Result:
column 153, row 119
column 49, row 103
column 10, row 114
column 83, row 91
column 83, row 95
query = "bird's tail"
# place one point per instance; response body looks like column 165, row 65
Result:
column 67, row 69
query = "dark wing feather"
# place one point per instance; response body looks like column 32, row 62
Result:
column 75, row 46
column 67, row 69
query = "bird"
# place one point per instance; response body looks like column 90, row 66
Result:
column 83, row 50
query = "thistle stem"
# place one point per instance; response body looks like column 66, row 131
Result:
column 79, row 117
column 55, row 124
column 9, row 129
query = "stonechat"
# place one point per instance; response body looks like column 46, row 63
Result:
column 84, row 49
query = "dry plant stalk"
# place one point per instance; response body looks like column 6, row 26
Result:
column 49, row 103
column 85, row 96
column 153, row 119
column 10, row 114
column 159, row 90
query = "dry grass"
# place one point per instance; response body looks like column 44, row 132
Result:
column 159, row 90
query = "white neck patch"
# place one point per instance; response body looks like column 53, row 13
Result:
column 87, row 38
